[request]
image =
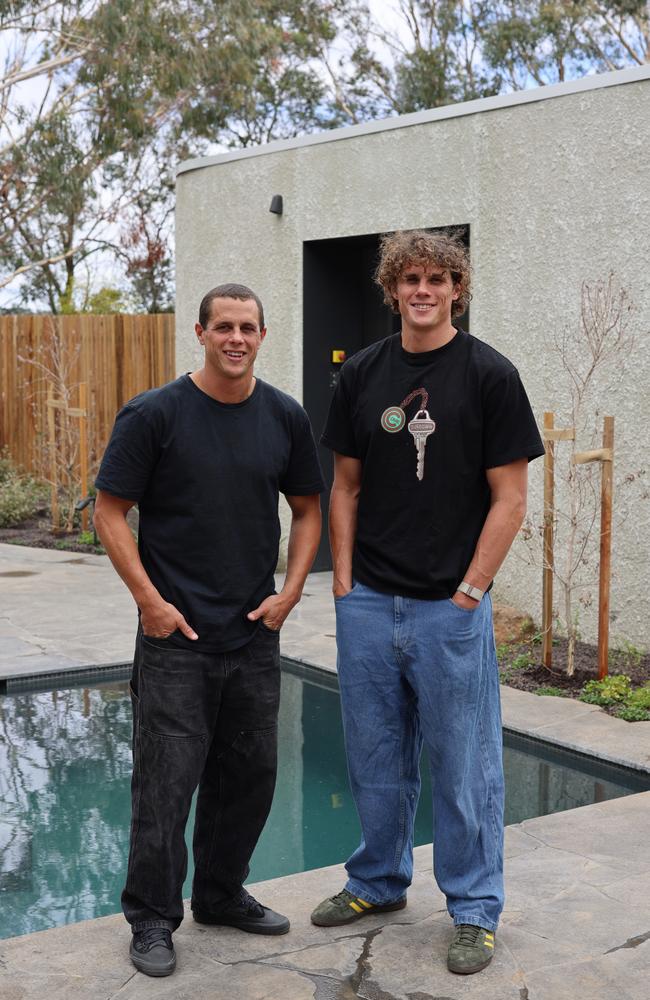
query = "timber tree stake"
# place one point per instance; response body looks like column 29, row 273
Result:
column 605, row 456
column 550, row 435
column 81, row 412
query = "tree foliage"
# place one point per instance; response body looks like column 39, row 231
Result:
column 127, row 88
column 100, row 99
column 434, row 56
column 547, row 42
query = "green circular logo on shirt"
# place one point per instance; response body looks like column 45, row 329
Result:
column 393, row 419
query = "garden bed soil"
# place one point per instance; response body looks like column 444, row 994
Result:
column 533, row 676
column 37, row 532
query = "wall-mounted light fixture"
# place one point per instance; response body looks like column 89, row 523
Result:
column 276, row 204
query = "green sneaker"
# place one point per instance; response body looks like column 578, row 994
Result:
column 344, row 908
column 471, row 950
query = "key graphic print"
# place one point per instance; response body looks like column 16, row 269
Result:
column 420, row 427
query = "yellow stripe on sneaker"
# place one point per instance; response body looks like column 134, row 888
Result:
column 363, row 902
column 489, row 944
column 356, row 908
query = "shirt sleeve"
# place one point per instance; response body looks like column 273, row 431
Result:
column 130, row 456
column 303, row 475
column 509, row 428
column 339, row 434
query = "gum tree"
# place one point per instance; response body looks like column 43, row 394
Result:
column 123, row 90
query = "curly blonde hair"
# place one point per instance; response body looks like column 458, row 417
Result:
column 417, row 246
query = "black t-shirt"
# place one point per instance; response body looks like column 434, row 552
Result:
column 206, row 476
column 416, row 537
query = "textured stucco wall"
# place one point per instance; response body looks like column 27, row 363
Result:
column 556, row 192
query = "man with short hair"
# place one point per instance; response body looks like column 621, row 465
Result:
column 432, row 434
column 205, row 458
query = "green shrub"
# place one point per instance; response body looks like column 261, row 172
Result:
column 632, row 714
column 639, row 698
column 549, row 689
column 20, row 495
column 610, row 691
column 84, row 537
column 522, row 661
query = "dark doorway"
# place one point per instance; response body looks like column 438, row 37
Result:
column 343, row 310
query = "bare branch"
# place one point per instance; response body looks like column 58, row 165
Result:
column 37, row 263
column 42, row 68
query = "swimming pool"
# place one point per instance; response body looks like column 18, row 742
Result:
column 65, row 762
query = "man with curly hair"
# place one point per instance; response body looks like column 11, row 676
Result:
column 432, row 433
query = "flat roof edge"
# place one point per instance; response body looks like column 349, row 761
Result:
column 598, row 81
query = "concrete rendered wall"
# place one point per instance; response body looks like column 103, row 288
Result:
column 556, row 188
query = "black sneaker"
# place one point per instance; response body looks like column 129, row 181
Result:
column 152, row 951
column 245, row 913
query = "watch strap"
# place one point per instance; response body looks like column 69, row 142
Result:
column 473, row 592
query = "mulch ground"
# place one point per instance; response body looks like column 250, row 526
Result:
column 519, row 651
column 37, row 532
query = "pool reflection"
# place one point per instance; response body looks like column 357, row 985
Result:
column 65, row 764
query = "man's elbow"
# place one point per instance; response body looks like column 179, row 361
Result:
column 518, row 507
column 108, row 511
column 100, row 520
column 346, row 491
column 513, row 507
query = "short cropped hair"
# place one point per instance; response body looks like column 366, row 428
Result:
column 417, row 246
column 229, row 291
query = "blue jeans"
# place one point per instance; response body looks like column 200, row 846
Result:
column 409, row 671
column 206, row 720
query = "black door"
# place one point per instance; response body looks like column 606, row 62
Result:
column 343, row 310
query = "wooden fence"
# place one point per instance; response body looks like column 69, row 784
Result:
column 115, row 356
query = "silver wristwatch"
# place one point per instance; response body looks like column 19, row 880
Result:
column 473, row 592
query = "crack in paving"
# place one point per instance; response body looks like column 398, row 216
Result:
column 359, row 986
column 632, row 942
column 359, row 978
column 125, row 983
column 326, row 987
column 523, row 993
column 567, row 850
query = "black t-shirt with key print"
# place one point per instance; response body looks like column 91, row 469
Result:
column 422, row 507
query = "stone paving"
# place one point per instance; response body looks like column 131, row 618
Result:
column 577, row 918
column 576, row 927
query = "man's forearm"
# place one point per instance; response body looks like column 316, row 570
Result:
column 121, row 548
column 304, row 537
column 158, row 617
column 504, row 520
column 342, row 529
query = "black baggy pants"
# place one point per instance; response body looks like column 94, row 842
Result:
column 206, row 719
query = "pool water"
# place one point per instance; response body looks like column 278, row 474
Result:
column 65, row 762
